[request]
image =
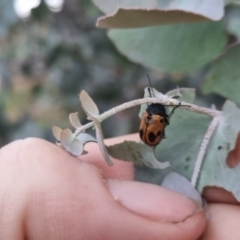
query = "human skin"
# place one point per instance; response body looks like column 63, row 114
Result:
column 48, row 194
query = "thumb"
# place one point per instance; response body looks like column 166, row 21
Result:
column 155, row 212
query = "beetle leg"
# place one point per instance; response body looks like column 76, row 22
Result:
column 166, row 119
column 163, row 135
column 171, row 113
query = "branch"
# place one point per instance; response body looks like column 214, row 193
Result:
column 163, row 100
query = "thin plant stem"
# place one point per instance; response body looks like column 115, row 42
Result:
column 165, row 100
column 203, row 148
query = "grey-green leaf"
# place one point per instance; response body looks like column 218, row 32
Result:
column 133, row 14
column 180, row 184
column 101, row 145
column 172, row 48
column 187, row 95
column 85, row 137
column 76, row 147
column 224, row 75
column 88, row 104
column 215, row 172
column 57, row 132
column 232, row 21
column 137, row 153
column 66, row 138
column 74, row 120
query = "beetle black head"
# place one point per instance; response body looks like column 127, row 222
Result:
column 156, row 109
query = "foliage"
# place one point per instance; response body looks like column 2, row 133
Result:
column 46, row 59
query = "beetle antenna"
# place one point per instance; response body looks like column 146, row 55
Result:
column 150, row 86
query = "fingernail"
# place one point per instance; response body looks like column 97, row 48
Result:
column 152, row 201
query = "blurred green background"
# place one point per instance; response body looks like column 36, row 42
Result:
column 51, row 50
column 47, row 56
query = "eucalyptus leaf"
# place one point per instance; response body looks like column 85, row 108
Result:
column 56, row 132
column 232, row 21
column 137, row 153
column 76, row 147
column 234, row 2
column 133, row 14
column 215, row 171
column 110, row 6
column 187, row 95
column 102, row 147
column 85, row 138
column 224, row 75
column 177, row 183
column 74, row 120
column 88, row 104
column 136, row 18
column 172, row 48
column 66, row 138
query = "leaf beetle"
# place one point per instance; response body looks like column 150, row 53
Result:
column 154, row 120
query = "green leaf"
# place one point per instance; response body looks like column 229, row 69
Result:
column 184, row 137
column 173, row 48
column 186, row 94
column 137, row 153
column 136, row 18
column 232, row 21
column 109, row 6
column 133, row 14
column 215, row 172
column 224, row 76
column 234, row 2
column 180, row 184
